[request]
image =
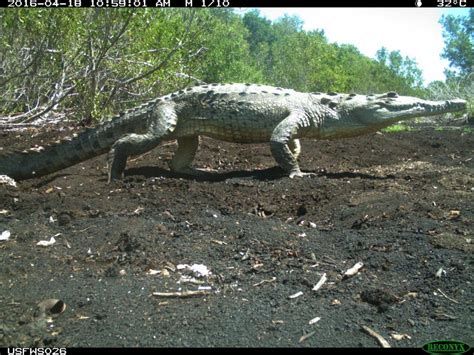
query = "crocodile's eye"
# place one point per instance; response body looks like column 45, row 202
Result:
column 392, row 94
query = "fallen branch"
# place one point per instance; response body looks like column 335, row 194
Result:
column 306, row 336
column 264, row 281
column 449, row 298
column 49, row 108
column 376, row 335
column 182, row 294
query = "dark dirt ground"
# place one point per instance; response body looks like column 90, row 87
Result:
column 401, row 203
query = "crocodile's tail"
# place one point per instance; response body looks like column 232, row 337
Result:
column 65, row 153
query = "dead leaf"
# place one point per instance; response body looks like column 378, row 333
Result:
column 400, row 336
column 453, row 214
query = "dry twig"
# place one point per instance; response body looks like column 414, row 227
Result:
column 449, row 298
column 376, row 335
column 182, row 294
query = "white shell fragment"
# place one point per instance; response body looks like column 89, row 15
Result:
column 51, row 306
column 5, row 179
column 46, row 243
column 321, row 282
column 199, row 270
column 400, row 336
column 297, row 294
column 314, row 320
column 440, row 272
column 354, row 270
column 5, row 235
column 37, row 149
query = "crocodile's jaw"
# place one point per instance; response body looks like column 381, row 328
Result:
column 360, row 114
column 405, row 107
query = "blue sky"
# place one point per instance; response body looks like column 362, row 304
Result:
column 416, row 32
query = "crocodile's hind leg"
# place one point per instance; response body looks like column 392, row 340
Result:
column 163, row 122
column 131, row 144
column 184, row 156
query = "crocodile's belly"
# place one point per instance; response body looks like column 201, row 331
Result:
column 237, row 131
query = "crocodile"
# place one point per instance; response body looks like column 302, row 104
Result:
column 240, row 113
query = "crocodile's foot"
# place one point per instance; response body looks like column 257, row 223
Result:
column 114, row 175
column 298, row 173
column 115, row 166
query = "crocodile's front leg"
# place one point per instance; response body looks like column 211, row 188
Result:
column 285, row 147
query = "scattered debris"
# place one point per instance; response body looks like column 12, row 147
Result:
column 49, row 190
column 50, row 306
column 5, row 179
column 306, row 336
column 449, row 298
column 5, row 235
column 376, row 335
column 358, row 224
column 297, row 294
column 245, row 255
column 153, row 272
column 169, row 215
column 81, row 317
column 46, row 243
column 138, row 211
column 454, row 214
column 314, row 320
column 335, row 302
column 219, row 242
column 353, row 270
column 445, row 316
column 189, row 279
column 321, row 282
column 400, row 336
column 181, row 294
column 199, row 270
column 37, row 148
column 440, row 272
column 264, row 281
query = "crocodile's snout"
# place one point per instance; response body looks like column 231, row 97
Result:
column 461, row 104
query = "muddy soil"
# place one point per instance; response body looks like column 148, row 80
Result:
column 400, row 203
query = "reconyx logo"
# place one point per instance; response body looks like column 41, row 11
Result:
column 446, row 347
